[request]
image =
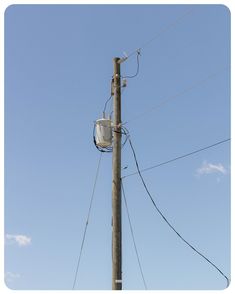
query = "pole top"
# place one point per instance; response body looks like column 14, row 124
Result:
column 116, row 59
column 120, row 60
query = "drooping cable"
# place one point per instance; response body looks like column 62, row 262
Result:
column 138, row 66
column 133, row 236
column 178, row 157
column 87, row 221
column 167, row 222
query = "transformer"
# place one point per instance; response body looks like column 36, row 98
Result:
column 103, row 135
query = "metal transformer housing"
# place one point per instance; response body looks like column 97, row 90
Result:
column 103, row 134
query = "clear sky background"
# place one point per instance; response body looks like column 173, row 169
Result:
column 58, row 67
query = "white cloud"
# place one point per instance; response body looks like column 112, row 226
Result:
column 20, row 240
column 9, row 276
column 209, row 168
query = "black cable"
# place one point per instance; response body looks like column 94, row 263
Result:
column 138, row 66
column 85, row 229
column 179, row 157
column 167, row 222
column 133, row 236
column 105, row 105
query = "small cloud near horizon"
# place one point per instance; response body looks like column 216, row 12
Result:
column 20, row 240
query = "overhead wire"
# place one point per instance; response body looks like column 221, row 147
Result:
column 133, row 236
column 163, row 30
column 167, row 222
column 171, row 97
column 87, row 221
column 137, row 51
column 178, row 157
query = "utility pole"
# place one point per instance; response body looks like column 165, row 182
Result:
column 116, row 183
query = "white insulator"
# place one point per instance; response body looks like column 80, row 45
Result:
column 103, row 134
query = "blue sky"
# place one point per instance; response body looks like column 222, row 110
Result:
column 58, row 67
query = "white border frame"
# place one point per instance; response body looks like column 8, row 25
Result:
column 3, row 5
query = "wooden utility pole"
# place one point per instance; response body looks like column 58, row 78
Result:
column 116, row 184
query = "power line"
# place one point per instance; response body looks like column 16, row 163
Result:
column 186, row 90
column 163, row 30
column 133, row 236
column 167, row 222
column 88, row 216
column 178, row 157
